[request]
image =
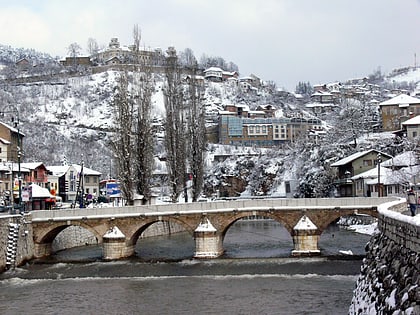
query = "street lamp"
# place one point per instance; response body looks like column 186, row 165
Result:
column 10, row 109
column 379, row 161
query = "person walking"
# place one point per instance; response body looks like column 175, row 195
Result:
column 412, row 202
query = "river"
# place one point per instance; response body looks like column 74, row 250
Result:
column 255, row 276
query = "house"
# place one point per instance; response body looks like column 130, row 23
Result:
column 405, row 159
column 411, row 127
column 213, row 74
column 113, row 61
column 37, row 174
column 23, row 64
column 4, row 148
column 397, row 110
column 76, row 61
column 38, row 198
column 353, row 165
column 322, row 97
column 11, row 142
column 367, row 183
column 9, row 181
column 69, row 179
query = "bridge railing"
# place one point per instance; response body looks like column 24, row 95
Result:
column 298, row 203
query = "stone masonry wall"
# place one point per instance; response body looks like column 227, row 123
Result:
column 25, row 244
column 389, row 280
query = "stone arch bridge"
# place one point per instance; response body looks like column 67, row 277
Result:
column 118, row 228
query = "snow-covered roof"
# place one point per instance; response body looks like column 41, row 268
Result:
column 32, row 165
column 13, row 129
column 86, row 170
column 40, row 192
column 216, row 69
column 62, row 169
column 58, row 170
column 7, row 166
column 4, row 141
column 412, row 121
column 401, row 100
column 408, row 158
column 355, row 156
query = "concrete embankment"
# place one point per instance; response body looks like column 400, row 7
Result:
column 389, row 281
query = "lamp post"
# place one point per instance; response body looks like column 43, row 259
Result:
column 10, row 109
column 379, row 161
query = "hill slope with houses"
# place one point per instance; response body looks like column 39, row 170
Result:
column 70, row 117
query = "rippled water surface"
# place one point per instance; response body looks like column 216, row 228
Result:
column 255, row 276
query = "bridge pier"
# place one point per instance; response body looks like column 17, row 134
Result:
column 208, row 242
column 114, row 245
column 305, row 238
column 42, row 249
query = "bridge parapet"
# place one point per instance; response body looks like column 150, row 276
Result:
column 256, row 204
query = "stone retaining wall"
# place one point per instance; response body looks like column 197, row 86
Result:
column 25, row 244
column 389, row 281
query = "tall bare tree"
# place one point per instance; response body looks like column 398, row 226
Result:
column 93, row 46
column 196, row 133
column 143, row 163
column 136, row 37
column 175, row 142
column 123, row 140
column 74, row 51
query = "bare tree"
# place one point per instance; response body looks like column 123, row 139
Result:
column 74, row 50
column 175, row 142
column 136, row 37
column 123, row 140
column 143, row 132
column 196, row 134
column 187, row 58
column 92, row 45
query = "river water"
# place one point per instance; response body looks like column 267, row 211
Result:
column 255, row 276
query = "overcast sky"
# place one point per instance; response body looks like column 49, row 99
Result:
column 285, row 41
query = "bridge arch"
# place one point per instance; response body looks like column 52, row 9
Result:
column 53, row 230
column 133, row 238
column 241, row 215
column 45, row 233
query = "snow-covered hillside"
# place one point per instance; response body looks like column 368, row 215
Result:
column 71, row 116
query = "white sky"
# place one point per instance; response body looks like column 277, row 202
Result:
column 285, row 41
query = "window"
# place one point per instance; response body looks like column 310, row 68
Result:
column 414, row 134
column 288, row 190
column 367, row 162
column 389, row 189
column 87, row 179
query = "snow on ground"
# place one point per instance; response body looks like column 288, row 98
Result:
column 368, row 229
column 412, row 75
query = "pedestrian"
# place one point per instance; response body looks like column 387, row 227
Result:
column 412, row 202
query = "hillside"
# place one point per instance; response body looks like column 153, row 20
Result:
column 70, row 117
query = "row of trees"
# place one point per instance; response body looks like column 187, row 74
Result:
column 134, row 138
